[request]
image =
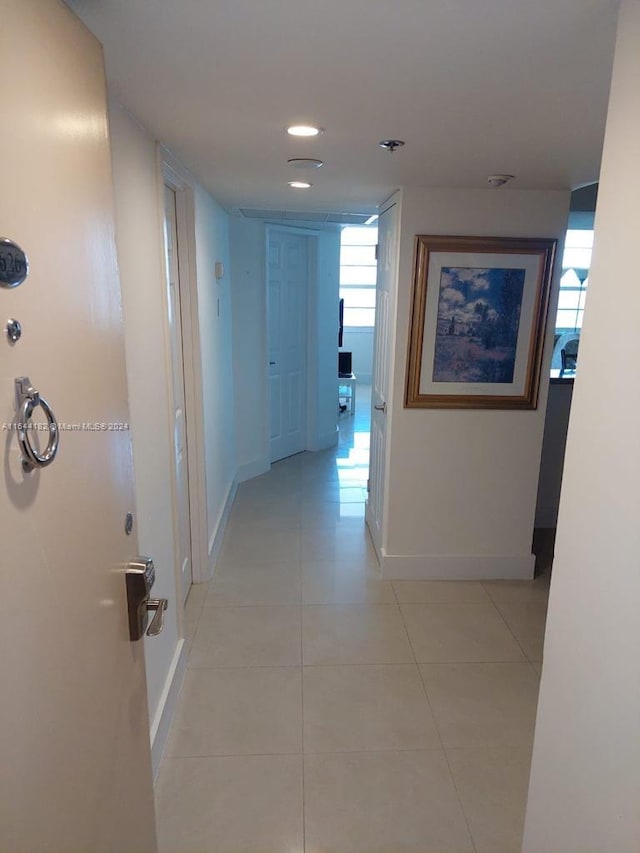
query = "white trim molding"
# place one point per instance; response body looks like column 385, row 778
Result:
column 167, row 705
column 217, row 534
column 458, row 567
column 171, row 172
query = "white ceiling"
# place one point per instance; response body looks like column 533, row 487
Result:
column 473, row 86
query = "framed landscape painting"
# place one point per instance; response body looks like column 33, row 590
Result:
column 478, row 322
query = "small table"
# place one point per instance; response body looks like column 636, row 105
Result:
column 347, row 384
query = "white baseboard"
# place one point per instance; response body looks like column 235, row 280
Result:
column 167, row 705
column 252, row 469
column 215, row 540
column 457, row 567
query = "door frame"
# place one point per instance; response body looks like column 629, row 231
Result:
column 311, row 342
column 379, row 536
column 171, row 173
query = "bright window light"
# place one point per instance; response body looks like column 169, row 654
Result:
column 576, row 262
column 358, row 270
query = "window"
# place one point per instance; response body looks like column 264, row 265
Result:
column 575, row 278
column 358, row 267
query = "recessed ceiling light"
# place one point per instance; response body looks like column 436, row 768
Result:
column 303, row 130
column 305, row 163
column 391, row 144
column 300, row 185
column 496, row 181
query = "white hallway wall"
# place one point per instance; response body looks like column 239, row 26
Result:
column 214, row 313
column 585, row 778
column 248, row 241
column 325, row 322
column 141, row 263
column 463, row 484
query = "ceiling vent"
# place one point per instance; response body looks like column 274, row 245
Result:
column 305, row 216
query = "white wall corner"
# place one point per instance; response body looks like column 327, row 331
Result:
column 217, row 535
column 460, row 567
column 163, row 716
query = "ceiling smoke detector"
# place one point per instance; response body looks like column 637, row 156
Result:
column 390, row 145
column 305, row 163
column 496, row 181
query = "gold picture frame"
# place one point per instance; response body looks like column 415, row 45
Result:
column 478, row 320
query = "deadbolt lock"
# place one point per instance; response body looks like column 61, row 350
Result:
column 141, row 575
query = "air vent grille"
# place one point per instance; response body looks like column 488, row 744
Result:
column 305, row 216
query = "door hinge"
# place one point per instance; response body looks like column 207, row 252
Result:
column 377, row 250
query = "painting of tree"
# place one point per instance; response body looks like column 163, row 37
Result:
column 478, row 322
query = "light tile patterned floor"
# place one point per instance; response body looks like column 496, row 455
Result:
column 328, row 711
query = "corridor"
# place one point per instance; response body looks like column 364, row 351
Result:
column 328, row 711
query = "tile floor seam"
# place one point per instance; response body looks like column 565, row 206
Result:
column 251, row 666
column 435, row 722
column 235, row 755
column 426, row 694
column 487, row 749
column 406, row 630
column 377, row 750
column 510, row 662
column 345, row 664
column 411, row 664
column 453, row 781
column 361, row 604
column 464, row 811
column 247, row 606
column 511, row 631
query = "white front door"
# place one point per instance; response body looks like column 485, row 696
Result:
column 382, row 353
column 181, row 465
column 287, row 287
column 75, row 766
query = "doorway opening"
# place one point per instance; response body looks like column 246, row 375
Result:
column 358, row 276
column 178, row 404
column 574, row 282
column 185, row 403
column 287, row 341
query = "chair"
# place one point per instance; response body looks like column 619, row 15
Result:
column 569, row 355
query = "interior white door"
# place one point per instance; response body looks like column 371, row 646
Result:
column 287, row 285
column 181, row 463
column 75, row 764
column 382, row 353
